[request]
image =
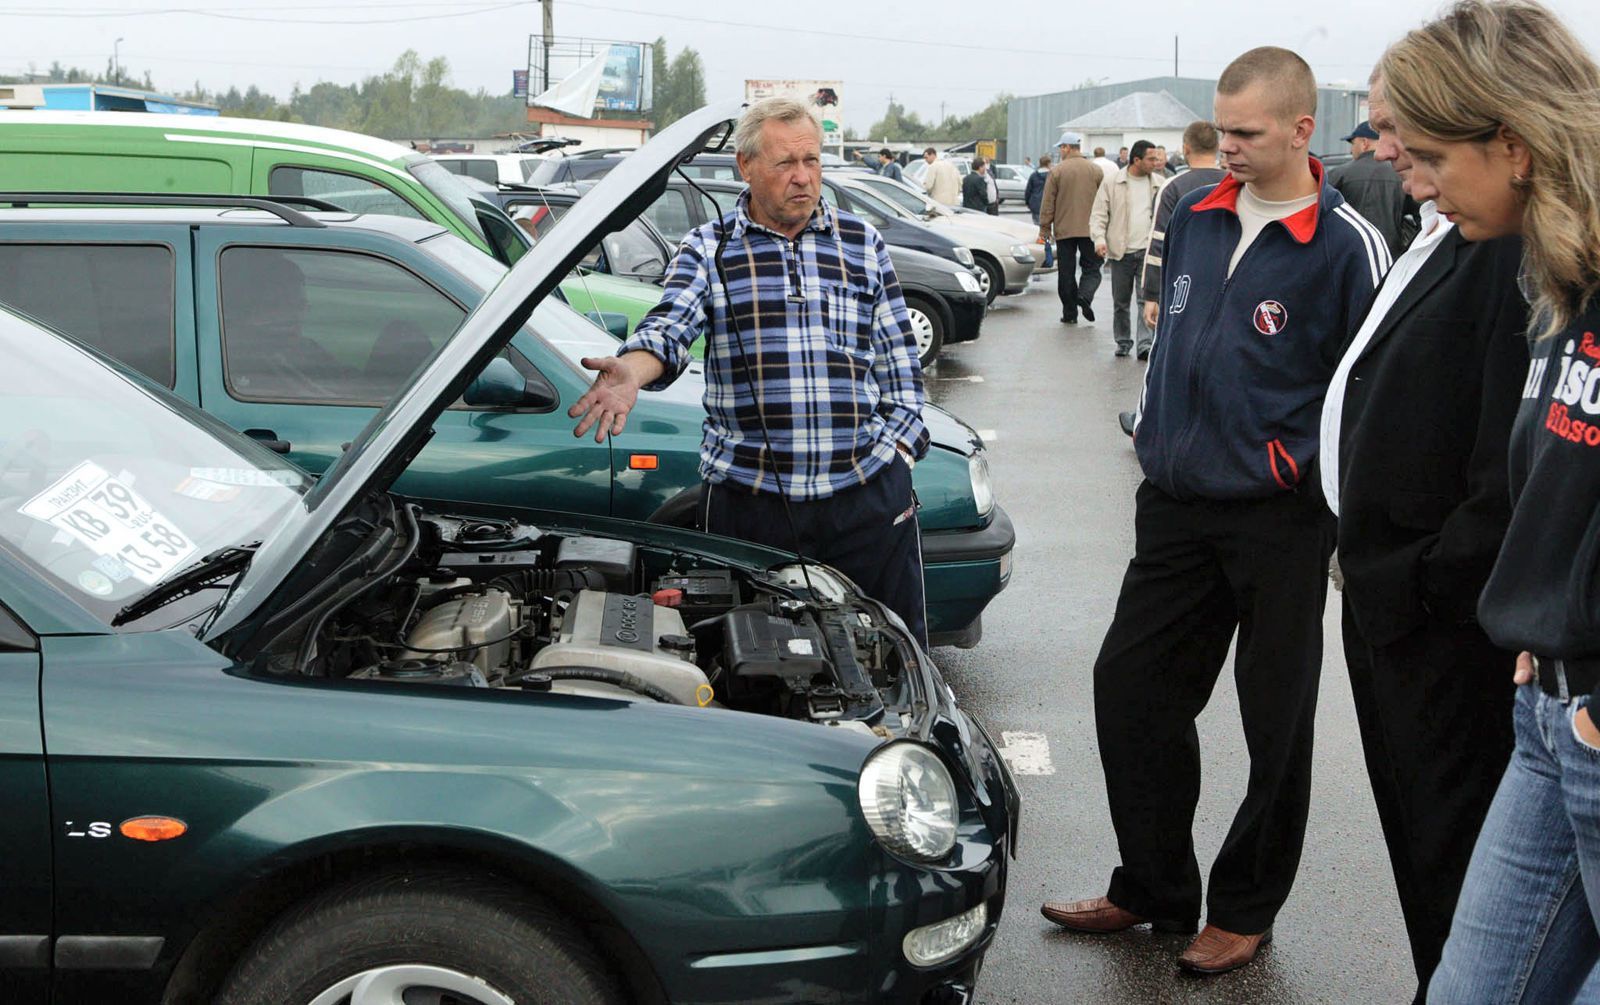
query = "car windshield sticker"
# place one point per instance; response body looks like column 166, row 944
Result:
column 247, row 476
column 95, row 583
column 114, row 568
column 110, row 519
column 207, row 490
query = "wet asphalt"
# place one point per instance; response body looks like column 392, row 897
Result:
column 1047, row 396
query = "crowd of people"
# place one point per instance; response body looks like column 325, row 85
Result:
column 1395, row 362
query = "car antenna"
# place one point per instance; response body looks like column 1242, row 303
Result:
column 755, row 393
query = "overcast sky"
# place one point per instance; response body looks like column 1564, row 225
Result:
column 955, row 54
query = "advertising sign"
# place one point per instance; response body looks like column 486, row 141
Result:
column 519, row 83
column 821, row 95
column 622, row 82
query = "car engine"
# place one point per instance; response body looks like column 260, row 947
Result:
column 490, row 603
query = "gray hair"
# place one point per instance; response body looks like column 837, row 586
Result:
column 747, row 134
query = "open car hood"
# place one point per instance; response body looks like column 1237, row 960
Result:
column 398, row 432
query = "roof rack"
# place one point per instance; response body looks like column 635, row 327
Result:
column 278, row 205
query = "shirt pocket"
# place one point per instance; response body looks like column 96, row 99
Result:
column 847, row 315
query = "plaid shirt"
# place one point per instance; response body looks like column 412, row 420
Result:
column 828, row 343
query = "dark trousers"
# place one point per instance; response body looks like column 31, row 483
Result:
column 1434, row 710
column 1200, row 570
column 869, row 533
column 1069, row 285
column 1126, row 273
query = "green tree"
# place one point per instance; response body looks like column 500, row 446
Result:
column 898, row 125
column 678, row 87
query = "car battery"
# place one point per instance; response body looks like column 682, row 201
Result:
column 702, row 594
column 759, row 644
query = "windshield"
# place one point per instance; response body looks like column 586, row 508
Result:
column 635, row 253
column 554, row 323
column 449, row 190
column 883, row 206
column 902, row 197
column 109, row 485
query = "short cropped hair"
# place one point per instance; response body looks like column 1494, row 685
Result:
column 747, row 134
column 930, row 152
column 1140, row 148
column 1200, row 137
column 978, row 162
column 885, row 153
column 1099, row 151
column 1044, row 159
column 1287, row 77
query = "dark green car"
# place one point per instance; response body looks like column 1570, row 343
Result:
column 273, row 741
column 295, row 327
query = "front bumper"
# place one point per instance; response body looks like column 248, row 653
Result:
column 1018, row 273
column 962, row 571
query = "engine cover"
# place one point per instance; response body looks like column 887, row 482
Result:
column 615, row 631
column 463, row 626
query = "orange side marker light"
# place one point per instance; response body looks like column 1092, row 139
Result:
column 153, row 828
column 642, row 462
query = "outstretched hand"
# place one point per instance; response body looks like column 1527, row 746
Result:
column 606, row 404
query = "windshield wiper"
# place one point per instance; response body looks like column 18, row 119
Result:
column 204, row 574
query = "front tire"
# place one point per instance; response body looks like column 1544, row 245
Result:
column 927, row 325
column 420, row 936
column 993, row 279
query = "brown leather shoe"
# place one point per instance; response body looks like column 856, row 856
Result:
column 1215, row 951
column 1100, row 916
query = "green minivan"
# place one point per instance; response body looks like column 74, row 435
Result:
column 182, row 154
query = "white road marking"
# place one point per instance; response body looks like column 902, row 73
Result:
column 988, row 435
column 974, row 379
column 1027, row 753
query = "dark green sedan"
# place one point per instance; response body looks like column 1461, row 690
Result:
column 266, row 740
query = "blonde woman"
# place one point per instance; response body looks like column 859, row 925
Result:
column 1499, row 107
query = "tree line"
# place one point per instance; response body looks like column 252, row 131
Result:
column 413, row 99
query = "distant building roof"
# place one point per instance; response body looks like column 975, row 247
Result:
column 1139, row 110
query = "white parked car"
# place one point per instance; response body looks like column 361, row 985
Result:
column 496, row 169
column 912, row 198
column 1005, row 260
column 1011, row 180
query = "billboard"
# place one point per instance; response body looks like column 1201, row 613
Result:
column 821, row 95
column 622, row 81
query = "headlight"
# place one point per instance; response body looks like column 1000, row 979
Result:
column 931, row 945
column 964, row 256
column 982, row 490
column 909, row 801
column 1022, row 253
column 967, row 281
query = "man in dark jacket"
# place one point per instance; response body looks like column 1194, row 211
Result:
column 1372, row 189
column 1033, row 195
column 1265, row 272
column 1423, row 508
column 975, row 186
column 887, row 167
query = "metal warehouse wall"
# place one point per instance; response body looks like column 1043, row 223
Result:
column 1031, row 122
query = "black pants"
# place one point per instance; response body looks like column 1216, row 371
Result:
column 864, row 532
column 1069, row 285
column 1434, row 710
column 1201, row 569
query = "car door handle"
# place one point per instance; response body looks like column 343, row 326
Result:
column 267, row 438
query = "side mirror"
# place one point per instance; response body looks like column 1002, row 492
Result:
column 614, row 322
column 498, row 386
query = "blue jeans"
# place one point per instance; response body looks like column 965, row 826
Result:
column 1525, row 928
column 1049, row 246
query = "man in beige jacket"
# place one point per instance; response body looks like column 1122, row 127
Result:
column 1119, row 225
column 942, row 180
column 1068, row 197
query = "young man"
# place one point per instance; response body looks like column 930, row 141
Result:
column 1068, row 198
column 1119, row 226
column 1265, row 273
column 807, row 340
column 886, row 165
column 975, row 186
column 1033, row 196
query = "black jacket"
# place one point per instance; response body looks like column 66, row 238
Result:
column 1424, row 497
column 1033, row 195
column 1372, row 189
column 975, row 191
column 1171, row 192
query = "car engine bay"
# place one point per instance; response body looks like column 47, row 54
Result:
column 495, row 603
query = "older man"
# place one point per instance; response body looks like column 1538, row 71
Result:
column 1068, row 197
column 942, row 180
column 813, row 392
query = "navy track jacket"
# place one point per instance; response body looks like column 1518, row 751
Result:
column 1232, row 401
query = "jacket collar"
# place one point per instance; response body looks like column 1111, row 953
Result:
column 823, row 220
column 1302, row 226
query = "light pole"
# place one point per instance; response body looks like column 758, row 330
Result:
column 116, row 63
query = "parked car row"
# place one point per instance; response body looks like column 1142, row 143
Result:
column 437, row 723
